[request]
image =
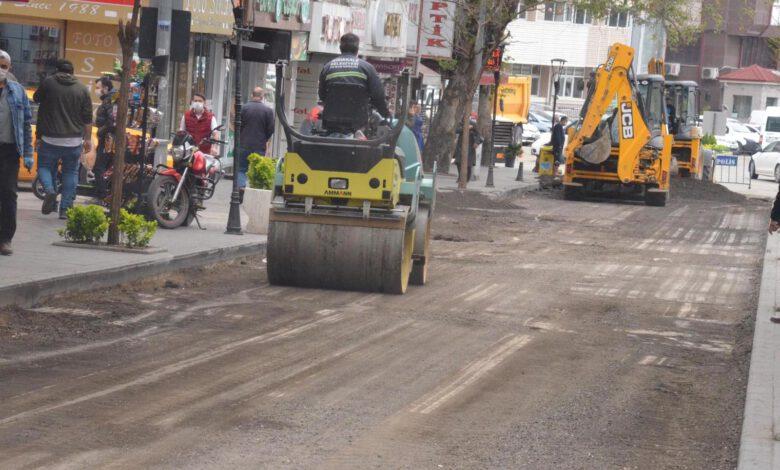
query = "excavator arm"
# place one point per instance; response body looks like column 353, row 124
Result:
column 592, row 141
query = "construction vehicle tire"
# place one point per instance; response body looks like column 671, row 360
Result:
column 571, row 193
column 422, row 242
column 656, row 199
column 334, row 253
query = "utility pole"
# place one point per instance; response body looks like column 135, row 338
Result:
column 498, row 57
column 234, row 216
column 164, row 105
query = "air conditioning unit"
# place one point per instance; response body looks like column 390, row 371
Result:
column 709, row 73
column 673, row 69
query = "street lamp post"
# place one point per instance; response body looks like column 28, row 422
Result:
column 496, row 81
column 557, row 65
column 234, row 216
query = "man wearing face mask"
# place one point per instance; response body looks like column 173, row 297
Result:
column 15, row 142
column 200, row 123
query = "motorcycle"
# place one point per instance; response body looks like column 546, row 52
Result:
column 176, row 193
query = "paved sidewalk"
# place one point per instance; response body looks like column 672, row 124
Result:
column 503, row 178
column 38, row 269
column 760, row 442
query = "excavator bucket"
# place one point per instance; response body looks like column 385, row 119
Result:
column 597, row 150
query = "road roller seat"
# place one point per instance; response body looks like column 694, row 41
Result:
column 345, row 108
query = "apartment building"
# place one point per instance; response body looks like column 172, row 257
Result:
column 737, row 35
column 557, row 30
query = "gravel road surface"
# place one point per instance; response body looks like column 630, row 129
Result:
column 553, row 334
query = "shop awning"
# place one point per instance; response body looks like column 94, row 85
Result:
column 430, row 77
column 209, row 17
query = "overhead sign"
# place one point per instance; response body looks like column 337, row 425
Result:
column 438, row 28
column 332, row 22
column 412, row 26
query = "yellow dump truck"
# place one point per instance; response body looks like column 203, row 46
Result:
column 514, row 101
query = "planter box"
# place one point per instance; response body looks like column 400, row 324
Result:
column 257, row 205
column 149, row 250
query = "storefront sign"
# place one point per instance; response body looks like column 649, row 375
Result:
column 438, row 28
column 299, row 48
column 389, row 67
column 412, row 26
column 91, row 11
column 332, row 22
column 211, row 16
column 281, row 9
column 388, row 26
column 92, row 48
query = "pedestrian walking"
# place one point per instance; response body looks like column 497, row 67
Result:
column 64, row 130
column 257, row 127
column 200, row 123
column 15, row 142
column 415, row 123
column 105, row 120
column 475, row 139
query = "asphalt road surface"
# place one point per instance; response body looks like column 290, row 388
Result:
column 552, row 334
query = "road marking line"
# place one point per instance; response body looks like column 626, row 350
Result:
column 649, row 359
column 473, row 372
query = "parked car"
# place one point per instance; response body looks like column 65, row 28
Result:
column 768, row 123
column 766, row 162
column 530, row 133
column 739, row 138
column 540, row 120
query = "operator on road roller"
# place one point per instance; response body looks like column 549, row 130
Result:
column 349, row 69
column 352, row 205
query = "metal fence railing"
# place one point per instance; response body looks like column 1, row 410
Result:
column 733, row 169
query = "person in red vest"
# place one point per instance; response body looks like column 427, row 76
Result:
column 200, row 123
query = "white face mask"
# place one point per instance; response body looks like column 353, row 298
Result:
column 197, row 106
column 3, row 74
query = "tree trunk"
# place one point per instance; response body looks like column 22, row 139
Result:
column 127, row 34
column 455, row 102
column 485, row 123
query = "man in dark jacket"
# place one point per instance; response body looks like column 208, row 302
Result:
column 257, row 127
column 348, row 69
column 105, row 122
column 474, row 140
column 774, row 217
column 64, row 128
column 559, row 139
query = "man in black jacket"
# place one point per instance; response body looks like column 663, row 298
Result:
column 63, row 129
column 348, row 69
column 774, row 217
column 559, row 139
column 105, row 122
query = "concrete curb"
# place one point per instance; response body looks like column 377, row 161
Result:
column 26, row 294
column 759, row 445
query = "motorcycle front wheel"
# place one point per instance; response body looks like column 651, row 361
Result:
column 168, row 215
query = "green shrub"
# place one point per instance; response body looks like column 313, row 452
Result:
column 709, row 139
column 85, row 224
column 717, row 148
column 261, row 171
column 135, row 229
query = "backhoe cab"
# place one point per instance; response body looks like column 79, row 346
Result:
column 683, row 125
column 622, row 141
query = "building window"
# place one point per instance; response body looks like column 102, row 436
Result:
column 771, row 102
column 742, row 107
column 572, row 82
column 776, row 13
column 34, row 50
column 582, row 17
column 558, row 11
column 618, row 19
column 521, row 10
column 534, row 71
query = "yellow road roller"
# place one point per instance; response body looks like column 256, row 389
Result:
column 350, row 213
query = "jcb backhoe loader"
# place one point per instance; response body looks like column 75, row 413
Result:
column 621, row 141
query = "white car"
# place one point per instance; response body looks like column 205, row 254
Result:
column 544, row 139
column 766, row 162
column 530, row 133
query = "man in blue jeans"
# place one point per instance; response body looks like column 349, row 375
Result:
column 15, row 142
column 64, row 129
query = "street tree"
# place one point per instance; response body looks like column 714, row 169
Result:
column 480, row 26
column 127, row 33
